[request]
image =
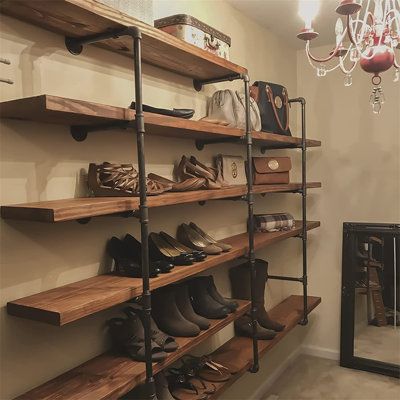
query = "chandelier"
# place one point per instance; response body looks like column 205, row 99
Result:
column 373, row 34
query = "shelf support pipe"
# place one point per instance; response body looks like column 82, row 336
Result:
column 250, row 202
column 75, row 46
column 302, row 101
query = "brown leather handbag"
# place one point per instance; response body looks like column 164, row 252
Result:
column 269, row 170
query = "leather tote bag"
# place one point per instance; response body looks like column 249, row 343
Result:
column 273, row 103
column 227, row 108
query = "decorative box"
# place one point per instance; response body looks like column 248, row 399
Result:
column 193, row 31
column 139, row 9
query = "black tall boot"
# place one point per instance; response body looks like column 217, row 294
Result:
column 240, row 280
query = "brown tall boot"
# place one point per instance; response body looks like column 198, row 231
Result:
column 240, row 280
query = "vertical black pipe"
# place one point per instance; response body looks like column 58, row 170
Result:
column 304, row 206
column 144, row 216
column 255, row 367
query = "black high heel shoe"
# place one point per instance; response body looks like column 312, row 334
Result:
column 197, row 254
column 124, row 264
column 134, row 249
column 160, row 249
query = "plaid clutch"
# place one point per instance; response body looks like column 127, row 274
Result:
column 273, row 222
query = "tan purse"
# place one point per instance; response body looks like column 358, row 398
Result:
column 269, row 170
column 232, row 169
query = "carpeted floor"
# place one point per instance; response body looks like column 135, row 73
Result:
column 378, row 343
column 320, row 379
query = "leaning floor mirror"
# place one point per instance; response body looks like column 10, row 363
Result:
column 370, row 317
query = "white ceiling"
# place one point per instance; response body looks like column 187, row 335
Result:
column 281, row 17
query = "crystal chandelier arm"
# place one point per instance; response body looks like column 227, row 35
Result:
column 333, row 53
column 311, row 63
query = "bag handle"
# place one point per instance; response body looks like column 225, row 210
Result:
column 285, row 103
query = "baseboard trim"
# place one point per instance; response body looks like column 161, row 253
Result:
column 260, row 392
column 321, row 352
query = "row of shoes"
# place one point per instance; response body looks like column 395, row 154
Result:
column 180, row 310
column 113, row 180
column 192, row 245
column 193, row 379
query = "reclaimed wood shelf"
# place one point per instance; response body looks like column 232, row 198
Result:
column 78, row 18
column 87, row 207
column 60, row 110
column 239, row 351
column 71, row 302
column 110, row 375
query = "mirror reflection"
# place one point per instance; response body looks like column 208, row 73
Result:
column 376, row 300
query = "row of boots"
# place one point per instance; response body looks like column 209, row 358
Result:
column 240, row 277
column 185, row 309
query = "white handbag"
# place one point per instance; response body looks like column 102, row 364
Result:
column 231, row 169
column 227, row 108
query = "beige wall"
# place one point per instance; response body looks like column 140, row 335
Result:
column 40, row 162
column 359, row 165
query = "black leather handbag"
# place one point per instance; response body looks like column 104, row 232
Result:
column 273, row 102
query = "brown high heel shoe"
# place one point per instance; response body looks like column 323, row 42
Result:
column 184, row 186
column 194, row 240
column 111, row 180
column 186, row 170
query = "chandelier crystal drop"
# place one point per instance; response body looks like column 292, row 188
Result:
column 372, row 28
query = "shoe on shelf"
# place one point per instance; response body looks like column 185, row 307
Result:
column 202, row 302
column 167, row 343
column 184, row 304
column 134, row 249
column 194, row 240
column 162, row 250
column 186, row 185
column 244, row 327
column 240, row 280
column 206, row 368
column 167, row 316
column 125, row 265
column 114, row 180
column 223, row 246
column 128, row 336
column 181, row 387
column 197, row 254
column 212, row 290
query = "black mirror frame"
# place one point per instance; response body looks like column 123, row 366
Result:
column 347, row 357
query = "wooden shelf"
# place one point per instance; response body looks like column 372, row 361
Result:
column 60, row 110
column 110, row 376
column 71, row 302
column 239, row 352
column 79, row 18
column 85, row 207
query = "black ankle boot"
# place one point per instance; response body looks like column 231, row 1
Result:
column 203, row 303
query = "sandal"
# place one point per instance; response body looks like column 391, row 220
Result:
column 207, row 369
column 187, row 170
column 110, row 180
column 216, row 181
column 128, row 336
column 186, row 185
column 181, row 387
column 167, row 343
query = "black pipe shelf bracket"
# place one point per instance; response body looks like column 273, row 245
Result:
column 201, row 143
column 75, row 46
column 80, row 132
